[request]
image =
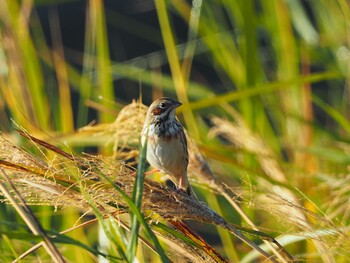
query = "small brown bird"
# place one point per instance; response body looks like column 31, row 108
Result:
column 166, row 142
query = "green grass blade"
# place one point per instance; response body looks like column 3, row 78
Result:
column 137, row 199
column 117, row 242
column 181, row 86
column 260, row 89
column 54, row 237
column 332, row 112
column 139, row 217
column 105, row 82
column 28, row 217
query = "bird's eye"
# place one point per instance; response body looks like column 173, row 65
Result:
column 162, row 105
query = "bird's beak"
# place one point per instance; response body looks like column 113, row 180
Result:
column 177, row 104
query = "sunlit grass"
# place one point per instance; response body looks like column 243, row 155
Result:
column 270, row 117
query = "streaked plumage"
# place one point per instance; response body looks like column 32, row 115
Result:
column 166, row 142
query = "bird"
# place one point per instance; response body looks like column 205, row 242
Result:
column 166, row 142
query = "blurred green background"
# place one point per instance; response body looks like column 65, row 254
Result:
column 276, row 70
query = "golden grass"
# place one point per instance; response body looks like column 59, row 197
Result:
column 66, row 180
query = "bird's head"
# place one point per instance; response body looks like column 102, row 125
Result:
column 162, row 109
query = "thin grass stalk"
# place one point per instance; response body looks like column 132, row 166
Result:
column 105, row 83
column 260, row 89
column 8, row 242
column 18, row 22
column 88, row 65
column 30, row 220
column 181, row 86
column 66, row 121
column 250, row 107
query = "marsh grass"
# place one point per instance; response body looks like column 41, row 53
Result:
column 267, row 130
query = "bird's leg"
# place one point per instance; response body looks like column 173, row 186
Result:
column 146, row 173
column 180, row 184
column 181, row 189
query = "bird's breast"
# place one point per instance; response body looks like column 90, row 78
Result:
column 167, row 153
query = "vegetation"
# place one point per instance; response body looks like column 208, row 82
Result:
column 264, row 87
